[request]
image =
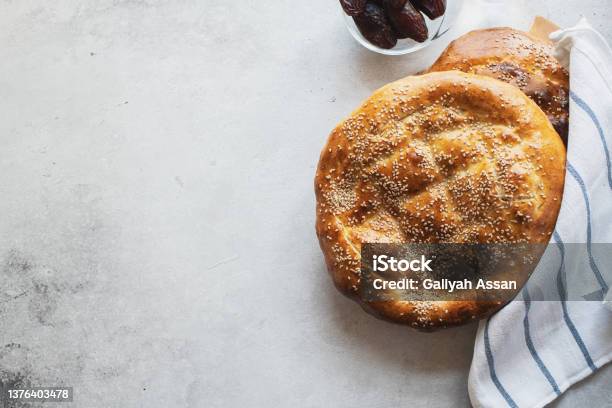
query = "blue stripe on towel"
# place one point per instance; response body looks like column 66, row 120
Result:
column 531, row 347
column 492, row 372
column 563, row 295
column 585, row 107
column 585, row 195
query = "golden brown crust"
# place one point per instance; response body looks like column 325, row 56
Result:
column 442, row 157
column 518, row 58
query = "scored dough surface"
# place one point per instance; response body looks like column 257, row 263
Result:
column 443, row 157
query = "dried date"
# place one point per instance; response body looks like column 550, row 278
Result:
column 375, row 26
column 431, row 8
column 353, row 7
column 408, row 22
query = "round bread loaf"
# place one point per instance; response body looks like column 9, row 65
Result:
column 444, row 157
column 518, row 58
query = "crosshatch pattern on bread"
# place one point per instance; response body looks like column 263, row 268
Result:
column 442, row 157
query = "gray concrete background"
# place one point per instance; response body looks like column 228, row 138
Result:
column 157, row 246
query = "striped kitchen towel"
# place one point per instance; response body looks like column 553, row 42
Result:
column 532, row 351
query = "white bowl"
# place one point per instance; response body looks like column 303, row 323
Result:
column 437, row 28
